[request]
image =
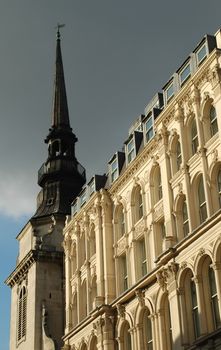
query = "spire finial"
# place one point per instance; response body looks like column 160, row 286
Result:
column 58, row 30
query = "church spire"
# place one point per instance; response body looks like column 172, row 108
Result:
column 60, row 115
column 61, row 176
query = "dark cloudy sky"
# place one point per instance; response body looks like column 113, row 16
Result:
column 117, row 54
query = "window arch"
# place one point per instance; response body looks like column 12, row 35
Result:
column 218, row 184
column 138, row 204
column 189, row 303
column 213, row 121
column 92, row 242
column 93, row 343
column 211, row 305
column 22, row 314
column 194, row 137
column 127, row 341
column 120, row 222
column 147, row 331
column 201, row 200
column 93, row 292
column 182, row 218
column 175, row 155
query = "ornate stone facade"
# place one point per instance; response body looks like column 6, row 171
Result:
column 143, row 253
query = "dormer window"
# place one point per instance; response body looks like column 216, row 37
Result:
column 114, row 170
column 170, row 92
column 91, row 187
column 201, row 53
column 184, row 74
column 149, row 128
column 130, row 151
column 83, row 198
column 74, row 207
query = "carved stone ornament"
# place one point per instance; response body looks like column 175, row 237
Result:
column 121, row 310
column 140, row 297
column 121, row 246
column 139, row 228
column 162, row 278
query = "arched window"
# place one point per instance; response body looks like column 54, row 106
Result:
column 194, row 137
column 194, row 307
column 73, row 259
column 219, row 186
column 123, row 273
column 213, row 121
column 121, row 222
column 22, row 314
column 74, row 315
column 202, row 201
column 92, row 242
column 138, row 200
column 83, row 303
column 126, row 337
column 147, row 331
column 185, row 220
column 178, row 156
column 93, row 345
column 189, row 304
column 213, row 298
column 141, row 258
column 93, row 292
column 158, row 192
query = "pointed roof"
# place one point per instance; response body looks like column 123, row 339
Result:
column 60, row 116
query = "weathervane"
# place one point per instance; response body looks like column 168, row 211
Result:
column 58, row 29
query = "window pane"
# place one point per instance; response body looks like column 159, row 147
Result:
column 178, row 155
column 219, row 186
column 185, row 74
column 201, row 54
column 195, row 313
column 170, row 92
column 213, row 121
column 194, row 137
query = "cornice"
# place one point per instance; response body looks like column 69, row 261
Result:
column 33, row 255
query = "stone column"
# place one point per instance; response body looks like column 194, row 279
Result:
column 195, row 99
column 109, row 271
column 184, row 150
column 164, row 163
column 99, row 251
column 66, row 245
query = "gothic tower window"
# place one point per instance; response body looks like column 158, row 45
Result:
column 22, row 314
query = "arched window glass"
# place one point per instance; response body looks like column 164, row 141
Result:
column 178, row 156
column 202, row 201
column 219, row 186
column 214, row 298
column 92, row 243
column 194, row 137
column 142, row 257
column 127, row 338
column 185, row 220
column 160, row 191
column 140, row 203
column 213, row 121
column 22, row 314
column 121, row 222
column 195, row 311
column 147, row 327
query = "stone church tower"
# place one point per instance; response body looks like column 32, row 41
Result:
column 37, row 283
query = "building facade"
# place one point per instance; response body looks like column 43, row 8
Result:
column 143, row 243
column 134, row 262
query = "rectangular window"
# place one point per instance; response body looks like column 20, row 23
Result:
column 143, row 258
column 185, row 74
column 124, row 272
column 74, row 208
column 201, row 54
column 149, row 128
column 114, row 170
column 169, row 92
column 130, row 151
column 83, row 198
column 92, row 187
